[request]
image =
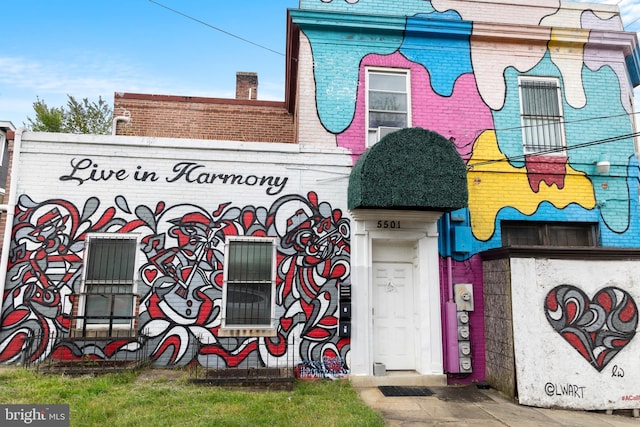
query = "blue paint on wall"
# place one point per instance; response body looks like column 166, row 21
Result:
column 446, row 56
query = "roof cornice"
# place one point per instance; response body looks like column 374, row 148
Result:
column 425, row 25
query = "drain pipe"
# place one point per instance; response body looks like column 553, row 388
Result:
column 126, row 118
column 451, row 310
column 9, row 209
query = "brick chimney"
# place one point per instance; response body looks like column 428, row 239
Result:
column 246, row 85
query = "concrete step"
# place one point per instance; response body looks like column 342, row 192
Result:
column 399, row 378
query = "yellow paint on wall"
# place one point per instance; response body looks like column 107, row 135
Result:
column 495, row 184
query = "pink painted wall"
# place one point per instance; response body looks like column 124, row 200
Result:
column 462, row 116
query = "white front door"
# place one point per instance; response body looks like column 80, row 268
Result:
column 393, row 315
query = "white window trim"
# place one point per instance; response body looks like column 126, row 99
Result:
column 248, row 330
column 560, row 151
column 80, row 323
column 385, row 70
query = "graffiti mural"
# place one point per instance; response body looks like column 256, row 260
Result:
column 464, row 70
column 463, row 78
column 180, row 280
column 598, row 328
column 328, row 368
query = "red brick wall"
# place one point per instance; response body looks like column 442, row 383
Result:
column 204, row 118
column 246, row 85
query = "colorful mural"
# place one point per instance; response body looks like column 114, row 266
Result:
column 180, row 282
column 574, row 331
column 599, row 328
column 464, row 85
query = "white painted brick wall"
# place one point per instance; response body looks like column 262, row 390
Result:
column 47, row 157
column 310, row 130
column 43, row 162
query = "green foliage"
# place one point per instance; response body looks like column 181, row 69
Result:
column 81, row 117
column 409, row 169
column 88, row 117
column 47, row 119
column 147, row 398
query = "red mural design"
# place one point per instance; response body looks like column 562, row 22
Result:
column 180, row 284
column 547, row 169
column 599, row 328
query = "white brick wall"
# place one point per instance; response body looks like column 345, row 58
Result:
column 46, row 158
column 310, row 130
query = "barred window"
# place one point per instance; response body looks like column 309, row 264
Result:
column 109, row 279
column 249, row 282
column 541, row 112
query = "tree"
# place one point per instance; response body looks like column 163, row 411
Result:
column 81, row 117
column 47, row 119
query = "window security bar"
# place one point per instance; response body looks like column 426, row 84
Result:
column 116, row 305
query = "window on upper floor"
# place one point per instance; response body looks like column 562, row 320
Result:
column 541, row 113
column 388, row 101
column 533, row 233
column 249, row 282
column 109, row 275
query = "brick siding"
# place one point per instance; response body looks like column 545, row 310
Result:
column 204, row 118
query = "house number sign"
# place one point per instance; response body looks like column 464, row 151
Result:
column 388, row 224
column 391, row 225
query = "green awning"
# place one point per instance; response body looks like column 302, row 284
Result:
column 413, row 169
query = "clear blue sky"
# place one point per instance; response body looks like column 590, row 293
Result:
column 91, row 48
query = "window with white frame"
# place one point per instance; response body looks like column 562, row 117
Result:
column 542, row 117
column 388, row 101
column 109, row 278
column 249, row 275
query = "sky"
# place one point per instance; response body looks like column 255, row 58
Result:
column 92, row 48
column 95, row 48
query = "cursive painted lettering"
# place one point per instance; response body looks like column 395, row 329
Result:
column 195, row 173
column 83, row 170
column 144, row 176
column 617, row 372
column 86, row 170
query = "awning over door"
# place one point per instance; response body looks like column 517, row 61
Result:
column 413, row 169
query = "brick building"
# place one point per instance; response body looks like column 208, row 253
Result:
column 450, row 189
column 241, row 119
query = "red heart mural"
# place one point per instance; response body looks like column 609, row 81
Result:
column 150, row 274
column 599, row 328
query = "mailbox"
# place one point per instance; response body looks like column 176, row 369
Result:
column 345, row 310
column 345, row 329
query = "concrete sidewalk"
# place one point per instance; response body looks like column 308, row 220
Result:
column 470, row 406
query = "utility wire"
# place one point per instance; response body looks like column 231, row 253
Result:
column 554, row 150
column 475, row 132
column 569, row 122
column 282, row 54
column 633, row 22
column 216, row 28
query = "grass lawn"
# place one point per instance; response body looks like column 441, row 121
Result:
column 151, row 398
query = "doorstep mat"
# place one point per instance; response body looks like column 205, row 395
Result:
column 399, row 391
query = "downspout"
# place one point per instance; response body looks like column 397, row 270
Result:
column 126, row 118
column 9, row 208
column 452, row 358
